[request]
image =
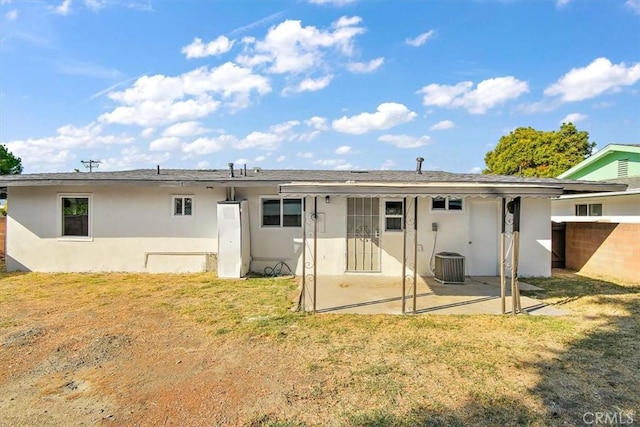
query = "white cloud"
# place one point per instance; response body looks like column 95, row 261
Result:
column 405, row 141
column 420, row 39
column 241, row 161
column 51, row 153
column 475, row 169
column 487, row 94
column 308, row 136
column 260, row 159
column 185, row 129
column 442, row 125
column 634, row 5
column 206, row 145
column 317, row 122
column 338, row 164
column 64, row 8
column 599, row 77
column 562, row 3
column 305, row 155
column 573, row 118
column 148, row 132
column 312, row 85
column 332, row 2
column 12, row 15
column 133, row 157
column 285, row 127
column 95, row 5
column 343, row 149
column 203, row 165
column 387, row 164
column 291, row 48
column 260, row 140
column 365, row 67
column 216, row 47
column 387, row 115
column 156, row 100
column 165, row 143
column 281, row 159
column 150, row 113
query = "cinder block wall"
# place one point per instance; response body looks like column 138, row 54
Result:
column 604, row 249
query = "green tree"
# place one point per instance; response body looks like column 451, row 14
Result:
column 533, row 153
column 9, row 164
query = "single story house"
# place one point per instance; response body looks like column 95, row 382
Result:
column 236, row 220
column 599, row 233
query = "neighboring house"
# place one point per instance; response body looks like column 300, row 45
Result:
column 372, row 222
column 600, row 232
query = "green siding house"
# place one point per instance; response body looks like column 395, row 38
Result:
column 612, row 162
column 599, row 233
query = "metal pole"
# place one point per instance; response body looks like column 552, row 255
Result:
column 404, row 256
column 503, row 281
column 315, row 250
column 304, row 253
column 415, row 253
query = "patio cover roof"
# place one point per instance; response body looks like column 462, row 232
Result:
column 425, row 189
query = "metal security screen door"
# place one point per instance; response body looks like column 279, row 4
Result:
column 363, row 234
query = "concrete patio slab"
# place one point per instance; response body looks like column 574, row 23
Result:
column 363, row 294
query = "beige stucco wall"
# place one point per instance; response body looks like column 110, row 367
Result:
column 126, row 224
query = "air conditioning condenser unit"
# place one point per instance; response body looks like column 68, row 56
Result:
column 449, row 267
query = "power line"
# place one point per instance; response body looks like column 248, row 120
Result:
column 90, row 164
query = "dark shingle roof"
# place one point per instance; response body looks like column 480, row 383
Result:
column 265, row 177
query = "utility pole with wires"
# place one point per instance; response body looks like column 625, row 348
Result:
column 90, row 164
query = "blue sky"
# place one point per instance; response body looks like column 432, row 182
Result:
column 319, row 84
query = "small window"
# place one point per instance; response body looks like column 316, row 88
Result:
column 393, row 212
column 75, row 216
column 591, row 209
column 595, row 209
column 182, row 205
column 446, row 204
column 281, row 212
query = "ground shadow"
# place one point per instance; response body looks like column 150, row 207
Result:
column 599, row 372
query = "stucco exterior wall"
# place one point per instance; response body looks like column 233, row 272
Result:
column 127, row 223
column 613, row 208
column 535, row 237
column 133, row 229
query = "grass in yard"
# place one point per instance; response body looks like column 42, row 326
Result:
column 384, row 370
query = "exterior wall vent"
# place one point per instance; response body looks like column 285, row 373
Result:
column 623, row 168
column 449, row 267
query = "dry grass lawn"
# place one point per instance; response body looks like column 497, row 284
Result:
column 127, row 349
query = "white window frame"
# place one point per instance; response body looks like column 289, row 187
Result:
column 281, row 199
column 446, row 208
column 183, row 196
column 393, row 230
column 60, row 217
column 588, row 205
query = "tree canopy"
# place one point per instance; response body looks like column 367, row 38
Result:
column 9, row 164
column 533, row 153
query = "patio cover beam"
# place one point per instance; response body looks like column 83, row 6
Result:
column 417, row 190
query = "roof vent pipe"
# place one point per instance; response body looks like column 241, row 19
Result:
column 419, row 165
column 245, row 169
column 158, row 169
column 231, row 175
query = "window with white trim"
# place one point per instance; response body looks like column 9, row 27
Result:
column 446, row 204
column 393, row 212
column 75, row 216
column 182, row 206
column 589, row 209
column 281, row 212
